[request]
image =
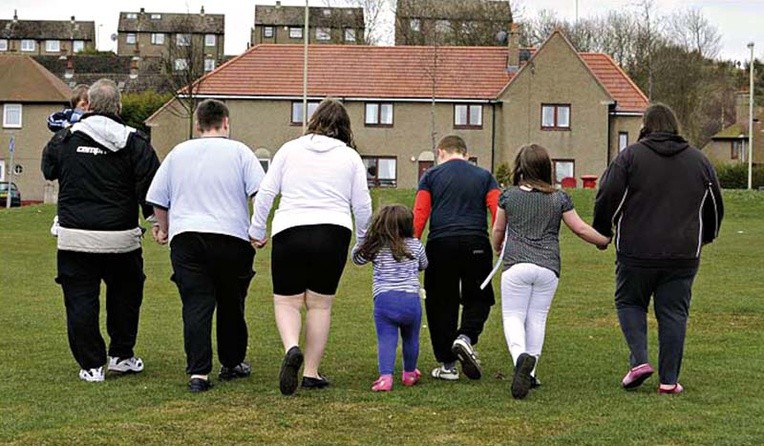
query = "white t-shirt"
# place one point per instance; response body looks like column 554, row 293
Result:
column 205, row 184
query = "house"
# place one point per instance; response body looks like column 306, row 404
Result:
column 46, row 37
column 183, row 38
column 730, row 145
column 327, row 25
column 581, row 106
column 451, row 22
column 131, row 74
column 28, row 95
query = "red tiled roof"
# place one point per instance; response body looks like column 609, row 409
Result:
column 399, row 72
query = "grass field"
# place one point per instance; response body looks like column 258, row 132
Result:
column 580, row 402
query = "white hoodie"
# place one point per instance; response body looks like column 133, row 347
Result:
column 320, row 180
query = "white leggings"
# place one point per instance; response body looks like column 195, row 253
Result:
column 526, row 295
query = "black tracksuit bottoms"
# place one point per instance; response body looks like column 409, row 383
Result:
column 80, row 275
column 672, row 288
column 457, row 267
column 212, row 270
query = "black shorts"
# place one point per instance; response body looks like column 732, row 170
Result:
column 309, row 258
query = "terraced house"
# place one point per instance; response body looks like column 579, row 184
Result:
column 402, row 99
column 46, row 37
column 326, row 25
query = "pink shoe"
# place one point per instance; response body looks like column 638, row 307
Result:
column 411, row 378
column 637, row 376
column 383, row 384
column 670, row 389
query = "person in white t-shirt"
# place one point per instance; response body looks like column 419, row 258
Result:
column 321, row 179
column 200, row 195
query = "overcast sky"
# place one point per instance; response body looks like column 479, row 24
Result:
column 739, row 21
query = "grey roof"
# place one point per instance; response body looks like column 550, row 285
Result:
column 172, row 23
column 336, row 17
column 47, row 29
column 466, row 10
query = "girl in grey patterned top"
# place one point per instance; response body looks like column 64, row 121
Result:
column 529, row 218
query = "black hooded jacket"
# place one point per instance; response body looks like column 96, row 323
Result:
column 663, row 199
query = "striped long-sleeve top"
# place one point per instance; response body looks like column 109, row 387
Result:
column 391, row 275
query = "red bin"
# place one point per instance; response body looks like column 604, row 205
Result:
column 589, row 181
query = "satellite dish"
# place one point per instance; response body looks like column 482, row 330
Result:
column 113, row 37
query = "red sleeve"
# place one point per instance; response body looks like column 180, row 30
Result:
column 422, row 208
column 492, row 202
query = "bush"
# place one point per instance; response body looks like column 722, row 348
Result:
column 503, row 174
column 735, row 176
column 137, row 107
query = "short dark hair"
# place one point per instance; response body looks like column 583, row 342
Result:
column 453, row 144
column 210, row 114
column 79, row 93
column 660, row 118
column 332, row 120
column 533, row 167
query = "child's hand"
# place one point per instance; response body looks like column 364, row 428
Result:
column 259, row 244
column 159, row 235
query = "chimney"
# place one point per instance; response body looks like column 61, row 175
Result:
column 73, row 20
column 278, row 4
column 202, row 11
column 143, row 11
column 134, row 67
column 69, row 72
column 513, row 49
column 15, row 16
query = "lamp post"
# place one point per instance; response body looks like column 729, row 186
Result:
column 305, row 71
column 750, row 122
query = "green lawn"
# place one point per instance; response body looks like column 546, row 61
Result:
column 580, row 402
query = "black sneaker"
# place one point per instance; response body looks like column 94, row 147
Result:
column 315, row 383
column 196, row 385
column 535, row 382
column 521, row 384
column 467, row 356
column 242, row 370
column 290, row 366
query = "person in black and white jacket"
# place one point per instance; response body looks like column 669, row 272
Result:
column 104, row 169
column 663, row 198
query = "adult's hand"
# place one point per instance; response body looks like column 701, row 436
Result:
column 159, row 235
column 259, row 244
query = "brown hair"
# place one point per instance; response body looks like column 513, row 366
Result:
column 533, row 168
column 389, row 228
column 332, row 120
column 210, row 114
column 659, row 118
column 79, row 93
column 453, row 144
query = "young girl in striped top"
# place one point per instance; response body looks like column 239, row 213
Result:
column 397, row 258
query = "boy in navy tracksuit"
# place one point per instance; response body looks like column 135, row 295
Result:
column 68, row 116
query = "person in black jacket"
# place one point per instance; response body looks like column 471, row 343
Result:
column 663, row 198
column 104, row 169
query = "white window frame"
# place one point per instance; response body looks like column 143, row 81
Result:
column 443, row 26
column 297, row 111
column 323, row 34
column 131, row 38
column 295, row 32
column 623, row 140
column 375, row 180
column 210, row 40
column 327, row 12
column 557, row 178
column 181, row 64
column 3, row 44
column 13, row 125
column 2, row 172
column 379, row 114
column 131, row 15
column 28, row 45
column 473, row 116
column 350, row 35
column 78, row 46
column 157, row 38
column 556, row 122
column 415, row 25
column 268, row 32
column 156, row 16
column 183, row 39
column 209, row 64
column 52, row 46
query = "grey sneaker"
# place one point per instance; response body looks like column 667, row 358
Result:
column 92, row 375
column 467, row 356
column 445, row 374
column 127, row 365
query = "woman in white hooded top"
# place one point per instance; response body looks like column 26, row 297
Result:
column 321, row 179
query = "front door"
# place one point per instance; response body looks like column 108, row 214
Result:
column 423, row 166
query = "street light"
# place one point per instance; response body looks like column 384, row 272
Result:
column 305, row 71
column 750, row 122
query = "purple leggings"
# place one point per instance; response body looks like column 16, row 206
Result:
column 394, row 310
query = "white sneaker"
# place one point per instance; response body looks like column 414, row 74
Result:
column 92, row 375
column 129, row 365
column 445, row 374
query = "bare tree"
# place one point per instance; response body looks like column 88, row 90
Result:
column 690, row 29
column 373, row 12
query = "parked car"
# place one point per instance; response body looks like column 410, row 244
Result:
column 14, row 191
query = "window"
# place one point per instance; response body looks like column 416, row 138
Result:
column 3, row 44
column 2, row 173
column 209, row 64
column 78, row 46
column 623, row 140
column 130, row 39
column 181, row 64
column 323, row 34
column 268, row 32
column 327, row 12
column 297, row 111
column 156, row 16
column 295, row 33
column 381, row 170
column 12, row 116
column 183, row 39
column 415, row 25
column 555, row 116
column 157, row 39
column 52, row 46
column 473, row 160
column 265, row 163
column 349, row 35
column 28, row 45
column 379, row 114
column 131, row 15
column 736, row 149
column 468, row 116
column 442, row 26
column 209, row 40
column 563, row 169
